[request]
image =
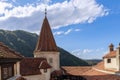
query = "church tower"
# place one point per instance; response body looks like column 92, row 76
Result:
column 46, row 46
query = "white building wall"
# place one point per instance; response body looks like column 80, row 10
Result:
column 18, row 68
column 118, row 58
column 35, row 77
column 46, row 74
column 55, row 58
column 15, row 69
column 112, row 65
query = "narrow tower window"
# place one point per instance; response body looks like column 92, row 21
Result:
column 108, row 60
column 51, row 60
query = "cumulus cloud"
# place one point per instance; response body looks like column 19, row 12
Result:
column 63, row 32
column 66, row 32
column 89, row 53
column 58, row 33
column 29, row 17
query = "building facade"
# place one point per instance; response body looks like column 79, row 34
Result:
column 112, row 58
column 9, row 62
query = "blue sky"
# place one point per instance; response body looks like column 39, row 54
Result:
column 83, row 27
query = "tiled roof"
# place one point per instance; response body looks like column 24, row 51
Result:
column 100, row 65
column 111, row 54
column 96, row 75
column 58, row 72
column 90, row 73
column 44, row 65
column 6, row 52
column 21, row 78
column 77, row 70
column 46, row 40
column 32, row 66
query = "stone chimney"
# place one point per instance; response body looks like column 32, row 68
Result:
column 118, row 58
column 111, row 47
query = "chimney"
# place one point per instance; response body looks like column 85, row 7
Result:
column 111, row 47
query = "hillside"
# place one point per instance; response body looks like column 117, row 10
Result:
column 93, row 61
column 25, row 42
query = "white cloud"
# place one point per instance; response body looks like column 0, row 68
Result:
column 89, row 53
column 68, row 31
column 30, row 16
column 77, row 30
column 63, row 32
column 58, row 33
column 3, row 6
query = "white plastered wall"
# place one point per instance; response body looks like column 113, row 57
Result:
column 55, row 59
column 118, row 58
column 46, row 74
column 112, row 65
column 35, row 77
column 17, row 68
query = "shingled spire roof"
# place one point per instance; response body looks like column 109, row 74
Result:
column 46, row 40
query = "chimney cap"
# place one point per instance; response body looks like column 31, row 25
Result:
column 111, row 45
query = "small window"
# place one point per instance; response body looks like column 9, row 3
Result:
column 7, row 71
column 51, row 60
column 45, row 70
column 108, row 60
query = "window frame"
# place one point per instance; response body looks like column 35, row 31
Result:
column 51, row 60
column 108, row 60
column 9, row 71
column 45, row 70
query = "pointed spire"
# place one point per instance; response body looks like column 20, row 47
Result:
column 45, row 11
column 46, row 40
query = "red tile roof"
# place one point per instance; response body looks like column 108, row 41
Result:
column 100, row 65
column 6, row 52
column 90, row 73
column 57, row 72
column 46, row 40
column 44, row 65
column 76, row 70
column 21, row 78
column 32, row 66
column 96, row 75
column 111, row 54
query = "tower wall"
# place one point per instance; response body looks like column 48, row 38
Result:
column 52, row 58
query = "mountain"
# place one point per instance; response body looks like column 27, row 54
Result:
column 25, row 42
column 93, row 61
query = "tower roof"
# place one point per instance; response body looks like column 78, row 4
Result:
column 46, row 40
column 111, row 45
